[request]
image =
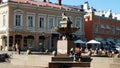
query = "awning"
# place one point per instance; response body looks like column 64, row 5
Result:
column 103, row 42
column 118, row 44
column 113, row 43
column 108, row 43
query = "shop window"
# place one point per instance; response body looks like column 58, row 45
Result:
column 30, row 42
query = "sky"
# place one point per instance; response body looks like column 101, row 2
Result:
column 114, row 5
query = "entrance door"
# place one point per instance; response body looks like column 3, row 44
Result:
column 18, row 41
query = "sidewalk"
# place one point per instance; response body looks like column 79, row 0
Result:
column 9, row 65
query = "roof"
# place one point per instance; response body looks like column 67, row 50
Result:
column 45, row 4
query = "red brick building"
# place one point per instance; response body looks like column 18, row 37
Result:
column 101, row 28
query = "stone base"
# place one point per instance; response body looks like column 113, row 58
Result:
column 64, row 46
column 61, row 58
column 69, row 64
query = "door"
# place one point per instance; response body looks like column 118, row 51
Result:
column 18, row 41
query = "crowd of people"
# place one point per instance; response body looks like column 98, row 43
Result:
column 102, row 52
column 78, row 52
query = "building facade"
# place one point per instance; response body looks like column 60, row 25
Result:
column 101, row 28
column 30, row 23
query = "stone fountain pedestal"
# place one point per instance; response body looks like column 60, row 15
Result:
column 64, row 46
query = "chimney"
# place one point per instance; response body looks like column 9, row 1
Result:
column 59, row 2
column 44, row 0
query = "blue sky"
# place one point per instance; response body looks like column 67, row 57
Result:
column 114, row 5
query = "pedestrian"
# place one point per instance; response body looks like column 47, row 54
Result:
column 77, row 53
column 72, row 55
column 17, row 48
column 13, row 47
column 1, row 47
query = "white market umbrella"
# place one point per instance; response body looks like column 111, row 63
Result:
column 93, row 42
column 79, row 41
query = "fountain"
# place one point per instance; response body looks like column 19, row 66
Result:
column 61, row 59
column 65, row 29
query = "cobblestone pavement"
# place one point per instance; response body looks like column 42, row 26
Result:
column 9, row 65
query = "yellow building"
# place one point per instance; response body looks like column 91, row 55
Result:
column 30, row 23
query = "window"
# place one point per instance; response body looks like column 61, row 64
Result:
column 18, row 16
column 95, row 27
column 58, row 21
column 113, row 29
column 102, row 26
column 51, row 22
column 18, row 19
column 4, row 20
column 71, row 19
column 78, row 22
column 107, row 27
column 41, row 22
column 117, row 28
column 30, row 21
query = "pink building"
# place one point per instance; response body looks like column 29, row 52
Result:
column 30, row 23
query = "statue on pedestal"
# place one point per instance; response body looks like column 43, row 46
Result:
column 66, row 29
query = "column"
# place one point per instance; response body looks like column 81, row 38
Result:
column 7, row 47
column 22, row 42
column 36, row 39
column 13, row 40
column 50, row 42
